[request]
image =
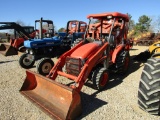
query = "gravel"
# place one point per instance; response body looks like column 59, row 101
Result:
column 117, row 101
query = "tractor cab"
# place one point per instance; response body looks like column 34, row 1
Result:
column 108, row 28
column 46, row 29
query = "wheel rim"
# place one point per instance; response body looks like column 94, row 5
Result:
column 104, row 79
column 46, row 68
column 27, row 61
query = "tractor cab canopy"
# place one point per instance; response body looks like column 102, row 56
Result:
column 46, row 28
column 47, row 21
column 107, row 26
column 75, row 26
column 109, row 15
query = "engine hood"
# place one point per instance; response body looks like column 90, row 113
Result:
column 85, row 51
column 34, row 43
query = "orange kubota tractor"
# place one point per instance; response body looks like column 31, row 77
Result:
column 105, row 49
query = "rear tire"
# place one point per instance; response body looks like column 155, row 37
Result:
column 44, row 66
column 149, row 87
column 25, row 62
column 122, row 62
column 100, row 78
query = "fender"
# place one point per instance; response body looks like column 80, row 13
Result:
column 116, row 51
column 18, row 42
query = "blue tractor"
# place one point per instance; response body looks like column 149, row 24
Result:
column 47, row 45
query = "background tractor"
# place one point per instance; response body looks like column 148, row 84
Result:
column 104, row 50
column 50, row 45
column 41, row 46
column 21, row 33
column 75, row 30
column 144, row 56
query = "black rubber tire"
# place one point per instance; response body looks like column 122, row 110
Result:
column 23, row 59
column 76, row 42
column 22, row 49
column 44, row 66
column 149, row 87
column 98, row 78
column 122, row 62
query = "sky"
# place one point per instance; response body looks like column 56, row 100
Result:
column 61, row 11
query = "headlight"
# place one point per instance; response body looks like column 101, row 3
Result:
column 27, row 51
column 74, row 65
column 31, row 52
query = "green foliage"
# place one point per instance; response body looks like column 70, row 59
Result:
column 141, row 27
column 131, row 22
column 97, row 21
column 144, row 23
column 61, row 29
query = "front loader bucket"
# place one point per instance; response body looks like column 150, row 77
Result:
column 59, row 101
column 7, row 50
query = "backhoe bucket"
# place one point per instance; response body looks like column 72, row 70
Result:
column 7, row 50
column 59, row 101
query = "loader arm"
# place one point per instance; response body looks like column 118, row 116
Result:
column 12, row 25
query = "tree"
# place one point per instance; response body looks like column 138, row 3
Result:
column 143, row 23
column 131, row 22
column 156, row 24
column 20, row 22
column 61, row 29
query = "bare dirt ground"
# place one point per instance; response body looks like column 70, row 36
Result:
column 117, row 102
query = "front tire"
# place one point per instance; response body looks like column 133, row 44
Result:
column 25, row 61
column 100, row 78
column 149, row 87
column 44, row 66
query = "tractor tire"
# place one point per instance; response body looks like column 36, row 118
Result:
column 25, row 62
column 100, row 78
column 22, row 49
column 122, row 62
column 76, row 42
column 149, row 87
column 44, row 66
